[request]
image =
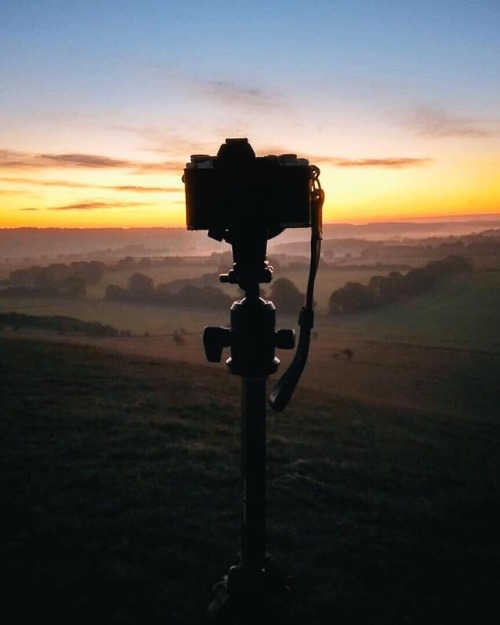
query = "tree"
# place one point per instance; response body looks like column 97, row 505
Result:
column 386, row 289
column 140, row 285
column 418, row 281
column 353, row 297
column 286, row 296
column 91, row 271
column 53, row 275
column 126, row 263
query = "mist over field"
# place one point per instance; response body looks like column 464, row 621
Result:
column 32, row 242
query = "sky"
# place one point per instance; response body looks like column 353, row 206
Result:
column 102, row 102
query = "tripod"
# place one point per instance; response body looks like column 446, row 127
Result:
column 246, row 200
column 253, row 588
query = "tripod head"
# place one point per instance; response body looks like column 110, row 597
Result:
column 246, row 200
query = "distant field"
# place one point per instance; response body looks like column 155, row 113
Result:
column 463, row 312
column 160, row 320
column 441, row 351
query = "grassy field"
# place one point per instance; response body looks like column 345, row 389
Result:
column 120, row 496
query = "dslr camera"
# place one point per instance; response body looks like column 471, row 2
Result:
column 237, row 188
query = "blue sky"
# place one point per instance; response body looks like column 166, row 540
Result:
column 397, row 97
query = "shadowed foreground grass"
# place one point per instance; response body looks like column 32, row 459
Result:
column 120, row 497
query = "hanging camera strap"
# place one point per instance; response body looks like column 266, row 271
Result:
column 285, row 386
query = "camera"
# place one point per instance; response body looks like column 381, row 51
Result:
column 236, row 187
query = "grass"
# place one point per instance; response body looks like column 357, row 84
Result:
column 120, row 496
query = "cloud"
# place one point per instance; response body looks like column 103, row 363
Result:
column 82, row 185
column 159, row 168
column 164, row 140
column 388, row 163
column 46, row 183
column 141, row 189
column 234, row 94
column 88, row 206
column 83, row 160
column 399, row 162
column 10, row 159
column 431, row 121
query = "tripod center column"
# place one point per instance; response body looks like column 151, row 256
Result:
column 253, row 470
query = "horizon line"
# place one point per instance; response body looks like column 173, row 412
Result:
column 421, row 219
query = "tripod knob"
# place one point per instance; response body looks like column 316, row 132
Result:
column 214, row 341
column 285, row 339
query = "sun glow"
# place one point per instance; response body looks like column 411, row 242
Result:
column 78, row 190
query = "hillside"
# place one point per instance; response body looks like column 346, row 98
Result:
column 120, row 492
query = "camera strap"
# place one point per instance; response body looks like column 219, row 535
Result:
column 285, row 386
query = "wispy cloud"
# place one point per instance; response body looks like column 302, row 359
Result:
column 234, row 94
column 167, row 141
column 89, row 206
column 83, row 160
column 434, row 122
column 388, row 163
column 10, row 159
column 141, row 189
column 81, row 185
column 399, row 162
column 46, row 183
column 13, row 160
column 158, row 168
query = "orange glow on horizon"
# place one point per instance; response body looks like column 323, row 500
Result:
column 117, row 199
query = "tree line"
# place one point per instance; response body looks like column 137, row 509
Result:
column 382, row 290
column 142, row 289
column 55, row 280
column 72, row 279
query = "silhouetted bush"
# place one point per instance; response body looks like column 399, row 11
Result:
column 286, row 296
column 189, row 293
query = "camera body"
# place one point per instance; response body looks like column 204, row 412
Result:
column 236, row 188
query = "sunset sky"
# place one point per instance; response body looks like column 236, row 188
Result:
column 103, row 101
